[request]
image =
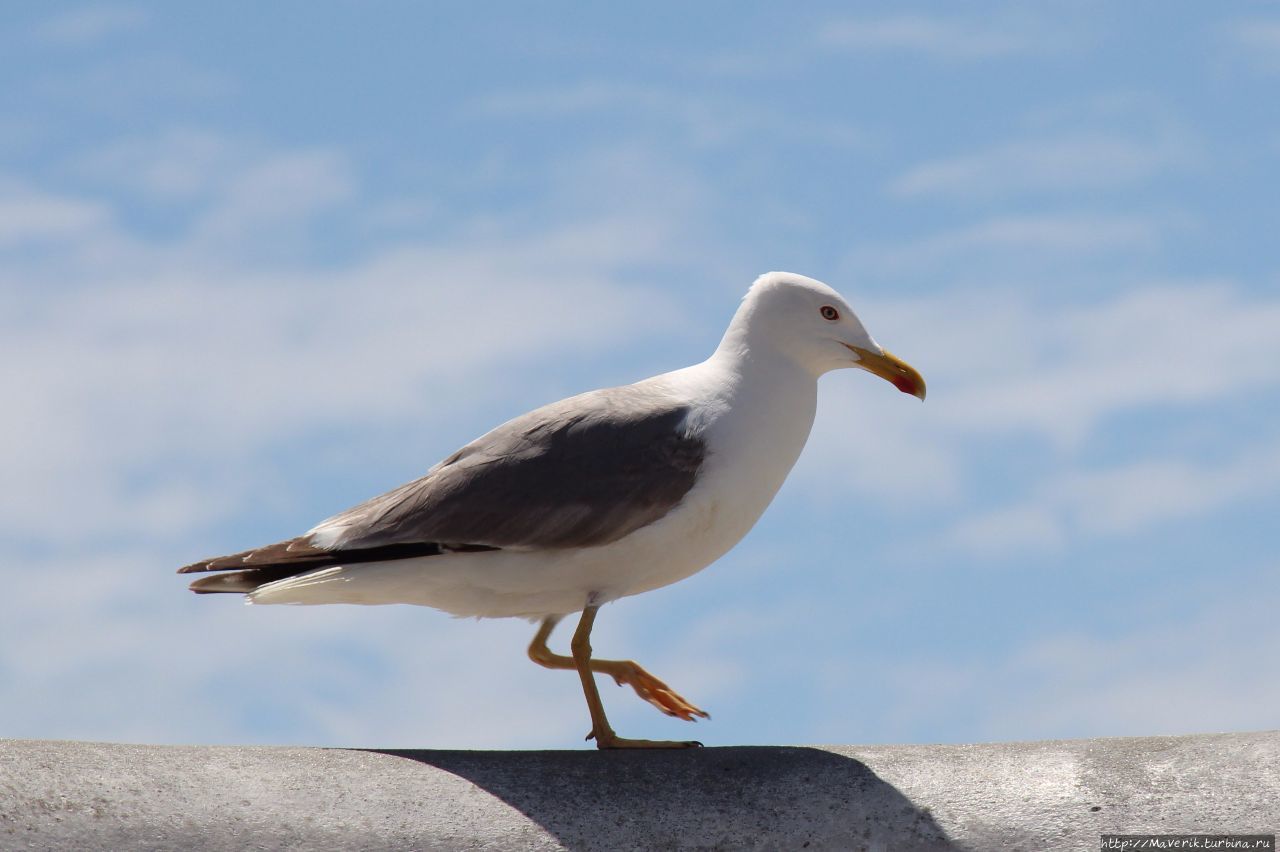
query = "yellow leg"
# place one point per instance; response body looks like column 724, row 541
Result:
column 624, row 672
column 627, row 672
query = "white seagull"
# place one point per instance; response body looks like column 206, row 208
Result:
column 603, row 495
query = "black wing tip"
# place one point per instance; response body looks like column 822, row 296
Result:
column 240, row 582
column 244, row 572
column 217, row 563
column 218, row 584
column 291, row 550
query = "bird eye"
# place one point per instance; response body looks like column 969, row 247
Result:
column 829, row 313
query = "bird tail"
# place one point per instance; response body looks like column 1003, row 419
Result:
column 249, row 570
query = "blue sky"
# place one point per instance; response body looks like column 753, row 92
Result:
column 258, row 264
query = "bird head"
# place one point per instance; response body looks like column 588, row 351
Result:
column 813, row 325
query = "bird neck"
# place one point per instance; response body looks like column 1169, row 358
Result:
column 766, row 406
column 762, row 381
column 748, row 349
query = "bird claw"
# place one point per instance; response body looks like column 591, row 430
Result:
column 654, row 691
column 617, row 742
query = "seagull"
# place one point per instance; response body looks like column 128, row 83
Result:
column 597, row 497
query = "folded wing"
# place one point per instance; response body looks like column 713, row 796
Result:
column 582, row 472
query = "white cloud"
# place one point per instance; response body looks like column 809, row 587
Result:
column 582, row 97
column 1260, row 39
column 1061, row 233
column 1210, row 668
column 273, row 193
column 1136, row 496
column 1061, row 164
column 173, row 164
column 1196, row 658
column 128, row 82
column 1009, row 239
column 707, row 121
column 90, row 24
column 1170, row 345
column 33, row 216
column 933, row 36
column 870, row 440
column 1122, row 500
column 1016, row 528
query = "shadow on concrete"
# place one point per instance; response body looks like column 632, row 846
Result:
column 716, row 798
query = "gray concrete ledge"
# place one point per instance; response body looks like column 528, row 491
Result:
column 1032, row 796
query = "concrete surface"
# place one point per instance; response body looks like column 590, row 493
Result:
column 1032, row 796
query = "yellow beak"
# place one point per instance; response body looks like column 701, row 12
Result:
column 892, row 369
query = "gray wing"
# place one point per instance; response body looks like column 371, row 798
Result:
column 584, row 471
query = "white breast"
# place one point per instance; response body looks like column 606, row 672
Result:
column 755, row 433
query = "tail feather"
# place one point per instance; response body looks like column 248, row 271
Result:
column 250, row 569
column 295, row 551
column 243, row 582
